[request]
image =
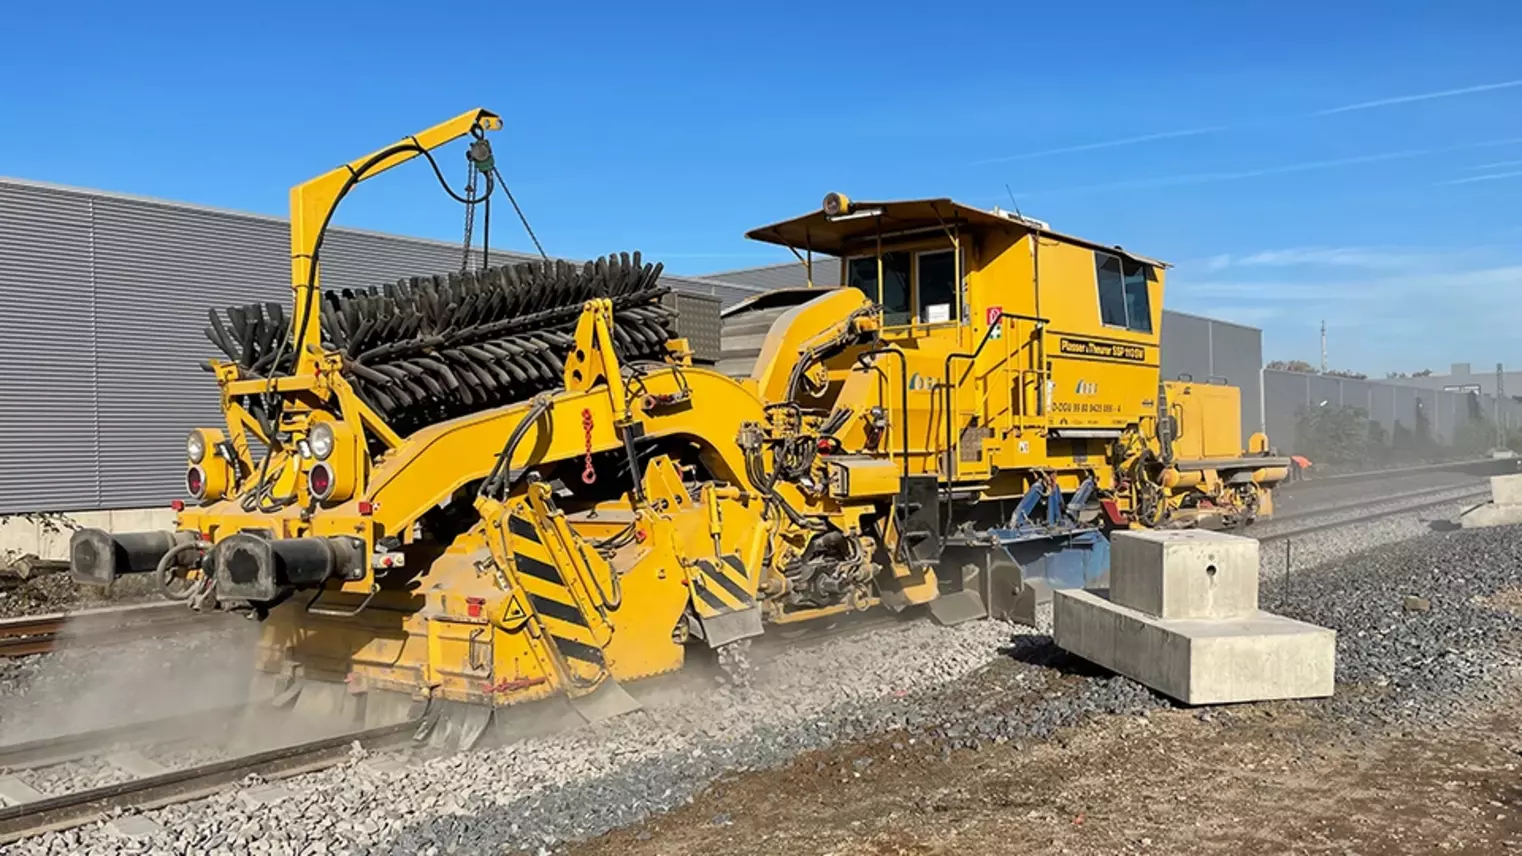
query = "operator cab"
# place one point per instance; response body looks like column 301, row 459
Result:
column 919, row 260
column 1073, row 323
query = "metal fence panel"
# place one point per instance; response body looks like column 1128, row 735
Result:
column 1185, row 346
column 1401, row 411
column 1237, row 358
column 1285, row 395
column 1324, row 391
column 1424, row 416
column 1404, row 412
column 1208, row 350
column 1382, row 409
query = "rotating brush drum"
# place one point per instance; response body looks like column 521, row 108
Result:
column 427, row 349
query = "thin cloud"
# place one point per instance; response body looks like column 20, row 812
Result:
column 1213, row 177
column 1493, row 165
column 1493, row 176
column 1215, row 129
column 1412, row 99
column 1107, row 144
column 1371, row 258
column 1283, row 169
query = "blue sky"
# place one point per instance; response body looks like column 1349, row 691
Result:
column 1354, row 162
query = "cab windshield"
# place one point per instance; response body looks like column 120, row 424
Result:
column 917, row 286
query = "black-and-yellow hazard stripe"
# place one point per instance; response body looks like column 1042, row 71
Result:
column 550, row 597
column 721, row 586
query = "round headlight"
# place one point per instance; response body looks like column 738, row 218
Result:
column 321, row 440
column 836, row 204
column 195, row 447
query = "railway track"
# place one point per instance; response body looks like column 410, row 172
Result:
column 1375, row 511
column 46, row 813
column 39, row 634
column 51, row 813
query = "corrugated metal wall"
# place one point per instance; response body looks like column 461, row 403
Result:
column 102, row 301
column 1220, row 352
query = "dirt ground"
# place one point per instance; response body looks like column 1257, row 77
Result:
column 1271, row 778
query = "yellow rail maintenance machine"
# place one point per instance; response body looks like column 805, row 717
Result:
column 533, row 480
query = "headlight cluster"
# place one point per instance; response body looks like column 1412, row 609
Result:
column 195, row 446
column 333, row 475
column 210, row 473
column 320, row 438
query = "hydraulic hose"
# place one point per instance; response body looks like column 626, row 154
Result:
column 495, row 484
column 165, row 572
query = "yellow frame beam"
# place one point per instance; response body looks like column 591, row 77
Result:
column 313, row 201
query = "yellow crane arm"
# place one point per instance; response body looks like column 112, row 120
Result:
column 312, row 204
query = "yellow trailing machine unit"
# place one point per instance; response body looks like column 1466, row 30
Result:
column 524, row 482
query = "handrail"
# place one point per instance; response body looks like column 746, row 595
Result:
column 947, row 388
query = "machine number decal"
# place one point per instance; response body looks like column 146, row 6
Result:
column 1085, row 407
column 1109, row 350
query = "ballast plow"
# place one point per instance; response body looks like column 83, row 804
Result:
column 523, row 483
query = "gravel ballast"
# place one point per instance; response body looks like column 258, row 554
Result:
column 947, row 685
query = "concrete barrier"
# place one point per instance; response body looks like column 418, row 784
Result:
column 47, row 536
column 1182, row 617
column 1504, row 508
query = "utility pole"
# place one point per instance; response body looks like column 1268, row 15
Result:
column 1323, row 347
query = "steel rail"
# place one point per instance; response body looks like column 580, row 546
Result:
column 1335, row 508
column 93, row 804
column 1472, row 466
column 1369, row 518
column 47, row 751
column 38, row 634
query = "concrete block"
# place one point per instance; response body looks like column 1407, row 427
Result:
column 1199, row 661
column 133, row 826
column 385, row 764
column 263, row 796
column 1491, row 514
column 1185, row 573
column 13, row 791
column 19, row 536
column 141, row 519
column 136, row 764
column 1506, row 490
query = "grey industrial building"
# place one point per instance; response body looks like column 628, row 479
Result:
column 102, row 302
column 103, row 297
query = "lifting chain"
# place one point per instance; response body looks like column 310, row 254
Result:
column 470, row 214
column 588, row 475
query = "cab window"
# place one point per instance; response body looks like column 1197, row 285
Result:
column 861, row 274
column 937, row 272
column 1123, row 300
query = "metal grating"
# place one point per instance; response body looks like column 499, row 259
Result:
column 697, row 321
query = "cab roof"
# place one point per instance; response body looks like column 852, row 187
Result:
column 841, row 234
